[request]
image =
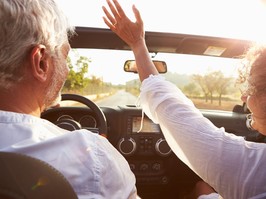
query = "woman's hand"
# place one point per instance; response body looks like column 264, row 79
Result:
column 130, row 32
column 133, row 34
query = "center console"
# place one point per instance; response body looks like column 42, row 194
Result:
column 145, row 148
column 143, row 137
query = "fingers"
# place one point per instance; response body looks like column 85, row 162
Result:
column 116, row 19
column 137, row 15
column 113, row 9
column 108, row 20
column 117, row 13
column 119, row 9
column 111, row 19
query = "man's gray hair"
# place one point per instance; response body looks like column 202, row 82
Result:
column 23, row 25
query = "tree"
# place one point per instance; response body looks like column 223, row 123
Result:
column 77, row 79
column 210, row 80
column 191, row 89
column 202, row 83
column 211, row 83
column 222, row 85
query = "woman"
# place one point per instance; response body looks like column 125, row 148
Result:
column 234, row 167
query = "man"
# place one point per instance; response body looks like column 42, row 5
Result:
column 33, row 51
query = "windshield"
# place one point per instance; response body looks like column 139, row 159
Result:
column 99, row 75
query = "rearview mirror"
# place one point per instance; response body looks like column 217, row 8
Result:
column 130, row 66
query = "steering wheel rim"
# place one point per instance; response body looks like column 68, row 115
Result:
column 95, row 108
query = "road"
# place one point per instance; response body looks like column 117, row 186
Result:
column 119, row 98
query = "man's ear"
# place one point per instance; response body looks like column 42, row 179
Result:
column 39, row 63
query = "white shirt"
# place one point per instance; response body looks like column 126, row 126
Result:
column 232, row 166
column 94, row 168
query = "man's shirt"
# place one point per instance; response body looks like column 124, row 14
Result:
column 94, row 168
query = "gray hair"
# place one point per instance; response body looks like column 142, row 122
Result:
column 23, row 25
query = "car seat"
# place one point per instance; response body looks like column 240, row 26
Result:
column 22, row 176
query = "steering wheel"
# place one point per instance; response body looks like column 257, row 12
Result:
column 70, row 124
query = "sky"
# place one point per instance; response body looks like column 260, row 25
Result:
column 242, row 19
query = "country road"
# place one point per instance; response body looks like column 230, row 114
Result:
column 121, row 97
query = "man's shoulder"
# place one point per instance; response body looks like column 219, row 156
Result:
column 85, row 138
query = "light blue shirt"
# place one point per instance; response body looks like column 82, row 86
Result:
column 94, row 168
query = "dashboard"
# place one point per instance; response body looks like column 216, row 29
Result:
column 157, row 169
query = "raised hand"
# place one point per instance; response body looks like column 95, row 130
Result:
column 118, row 22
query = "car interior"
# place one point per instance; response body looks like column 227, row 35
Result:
column 159, row 173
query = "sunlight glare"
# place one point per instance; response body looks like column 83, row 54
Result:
column 226, row 18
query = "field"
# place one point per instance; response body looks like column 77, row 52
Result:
column 226, row 105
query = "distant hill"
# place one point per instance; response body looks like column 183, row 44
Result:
column 178, row 79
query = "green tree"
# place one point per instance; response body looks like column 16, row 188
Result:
column 77, row 79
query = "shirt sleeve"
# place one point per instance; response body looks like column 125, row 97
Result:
column 227, row 162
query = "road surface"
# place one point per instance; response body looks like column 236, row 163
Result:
column 119, row 98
